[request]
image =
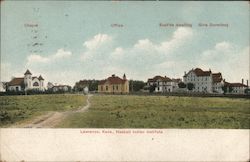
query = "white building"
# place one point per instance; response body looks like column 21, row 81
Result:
column 61, row 88
column 218, row 83
column 163, row 84
column 238, row 88
column 28, row 82
column 204, row 81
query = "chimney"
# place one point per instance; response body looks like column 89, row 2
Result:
column 113, row 75
column 247, row 83
column 242, row 81
column 185, row 72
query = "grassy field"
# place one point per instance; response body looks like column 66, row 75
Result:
column 18, row 108
column 115, row 111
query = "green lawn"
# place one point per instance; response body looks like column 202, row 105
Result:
column 19, row 108
column 116, row 111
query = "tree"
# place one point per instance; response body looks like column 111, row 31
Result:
column 93, row 85
column 152, row 88
column 136, row 85
column 190, row 86
column 227, row 89
column 182, row 85
column 224, row 88
column 247, row 91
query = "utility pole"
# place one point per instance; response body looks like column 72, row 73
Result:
column 132, row 85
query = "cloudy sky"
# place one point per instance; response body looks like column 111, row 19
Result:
column 68, row 41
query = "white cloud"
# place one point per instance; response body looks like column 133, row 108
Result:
column 141, row 58
column 97, row 41
column 97, row 47
column 60, row 54
column 227, row 58
column 180, row 36
column 34, row 58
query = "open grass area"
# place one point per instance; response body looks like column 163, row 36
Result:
column 17, row 108
column 118, row 111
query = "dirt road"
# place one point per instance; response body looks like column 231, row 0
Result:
column 52, row 119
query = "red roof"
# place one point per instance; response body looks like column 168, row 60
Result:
column 27, row 72
column 113, row 80
column 158, row 77
column 237, row 85
column 102, row 81
column 16, row 81
column 199, row 72
column 217, row 77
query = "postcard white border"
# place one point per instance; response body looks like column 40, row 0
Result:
column 170, row 145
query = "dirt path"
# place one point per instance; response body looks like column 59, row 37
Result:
column 52, row 119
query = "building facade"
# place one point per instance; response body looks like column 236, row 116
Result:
column 204, row 81
column 163, row 84
column 28, row 82
column 218, row 83
column 238, row 88
column 114, row 84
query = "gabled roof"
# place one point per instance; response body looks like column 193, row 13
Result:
column 60, row 86
column 217, row 77
column 158, row 77
column 237, row 85
column 102, row 81
column 199, row 72
column 227, row 84
column 16, row 81
column 113, row 80
column 176, row 80
column 40, row 78
column 27, row 72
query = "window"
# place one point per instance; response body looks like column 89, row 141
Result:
column 101, row 88
column 107, row 88
column 35, row 84
column 113, row 87
column 117, row 87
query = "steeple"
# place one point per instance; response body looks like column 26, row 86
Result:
column 27, row 72
column 40, row 78
column 124, row 77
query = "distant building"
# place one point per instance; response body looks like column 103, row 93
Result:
column 114, row 84
column 58, row 88
column 61, row 88
column 237, row 88
column 83, row 85
column 28, row 82
column 163, row 84
column 218, row 83
column 204, row 81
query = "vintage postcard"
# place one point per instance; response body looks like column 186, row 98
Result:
column 124, row 81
